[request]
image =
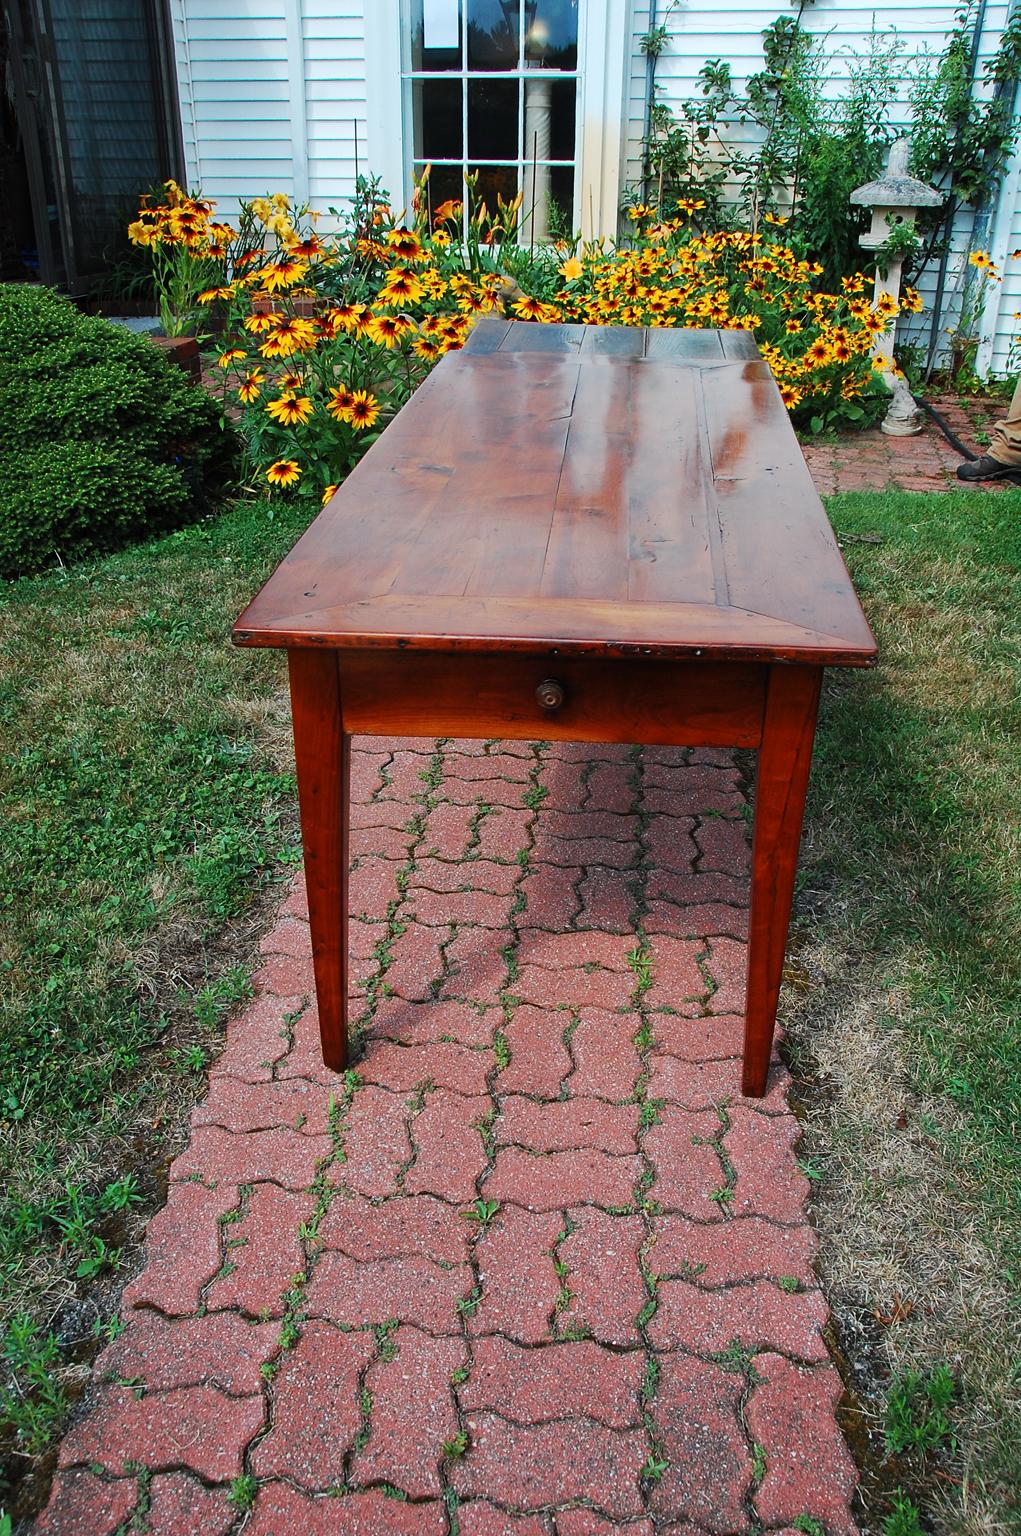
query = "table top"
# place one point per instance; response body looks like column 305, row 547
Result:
column 572, row 489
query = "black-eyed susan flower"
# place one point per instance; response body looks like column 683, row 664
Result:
column 283, row 473
column 282, row 274
column 340, row 402
column 328, row 492
column 231, row 356
column 250, row 389
column 290, row 410
column 363, row 410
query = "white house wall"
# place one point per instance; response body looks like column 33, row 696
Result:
column 273, row 92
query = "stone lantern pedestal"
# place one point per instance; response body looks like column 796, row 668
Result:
column 895, row 200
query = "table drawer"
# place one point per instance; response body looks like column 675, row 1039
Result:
column 689, row 703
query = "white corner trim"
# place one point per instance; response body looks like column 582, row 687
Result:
column 384, row 147
column 606, row 55
column 296, row 92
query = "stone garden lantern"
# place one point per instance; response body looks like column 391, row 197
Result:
column 895, row 200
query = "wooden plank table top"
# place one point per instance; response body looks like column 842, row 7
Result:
column 575, row 533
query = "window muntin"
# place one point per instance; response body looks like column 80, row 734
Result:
column 491, row 86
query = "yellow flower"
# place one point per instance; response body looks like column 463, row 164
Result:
column 282, row 274
column 388, row 330
column 231, row 356
column 140, row 233
column 329, row 491
column 215, row 293
column 289, row 336
column 284, row 472
column 290, row 410
column 363, row 410
column 529, row 308
column 980, row 259
column 572, row 269
column 340, row 402
column 250, row 390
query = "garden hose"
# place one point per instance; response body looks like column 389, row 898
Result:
column 945, row 427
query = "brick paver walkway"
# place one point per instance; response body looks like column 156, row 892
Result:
column 871, row 461
column 538, row 1270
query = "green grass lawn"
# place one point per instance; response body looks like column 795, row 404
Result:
column 148, row 805
column 906, row 989
column 147, row 798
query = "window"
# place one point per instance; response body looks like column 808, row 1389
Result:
column 491, row 87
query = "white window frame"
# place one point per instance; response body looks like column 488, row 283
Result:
column 604, row 45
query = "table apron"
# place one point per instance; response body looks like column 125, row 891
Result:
column 657, row 703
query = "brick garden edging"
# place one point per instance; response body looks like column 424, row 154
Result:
column 551, row 944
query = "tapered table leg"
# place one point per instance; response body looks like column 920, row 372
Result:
column 323, row 757
column 792, row 702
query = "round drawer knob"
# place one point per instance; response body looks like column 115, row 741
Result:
column 550, row 693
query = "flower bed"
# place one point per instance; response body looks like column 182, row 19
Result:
column 326, row 336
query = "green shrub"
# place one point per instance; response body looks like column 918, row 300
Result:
column 102, row 439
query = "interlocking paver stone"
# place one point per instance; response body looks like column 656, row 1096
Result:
column 407, row 1226
column 553, row 1180
column 697, row 1409
column 413, row 1414
column 197, row 1427
column 262, row 1251
column 281, row 1510
column 415, row 1290
column 82, row 1504
column 180, row 1506
column 758, row 1316
column 220, row 1348
column 520, row 1285
column 567, row 1123
column 377, row 1141
column 526, row 1467
column 316, row 1409
column 554, row 1385
column 808, row 1470
column 556, row 1381
column 450, row 1154
column 604, row 1275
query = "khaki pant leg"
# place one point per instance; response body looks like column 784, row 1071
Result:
column 1005, row 447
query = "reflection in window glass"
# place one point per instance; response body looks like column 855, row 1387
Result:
column 493, row 28
column 435, row 34
column 495, row 180
column 493, row 119
column 436, row 105
column 551, row 35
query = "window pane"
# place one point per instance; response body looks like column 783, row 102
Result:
column 551, row 41
column 435, row 34
column 549, row 119
column 494, row 180
column 547, row 211
column 561, row 200
column 436, row 108
column 563, row 99
column 445, row 185
column 493, row 34
column 493, row 119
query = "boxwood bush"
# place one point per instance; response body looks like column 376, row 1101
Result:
column 102, row 439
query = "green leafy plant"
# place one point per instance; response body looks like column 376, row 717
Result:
column 916, row 1411
column 107, row 442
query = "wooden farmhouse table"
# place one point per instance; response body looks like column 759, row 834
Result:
column 570, row 533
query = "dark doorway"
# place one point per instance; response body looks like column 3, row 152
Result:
column 90, row 120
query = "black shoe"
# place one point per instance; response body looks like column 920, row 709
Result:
column 987, row 468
